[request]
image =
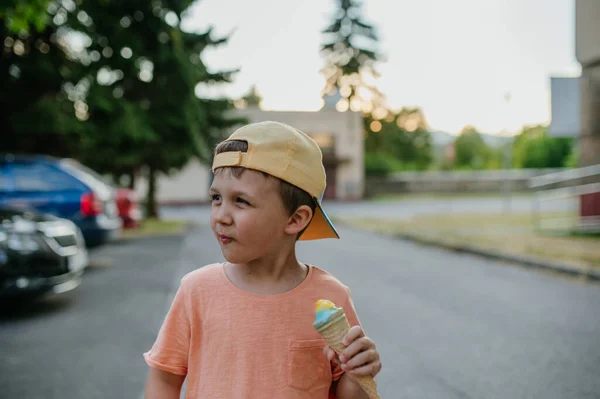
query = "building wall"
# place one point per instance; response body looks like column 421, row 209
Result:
column 565, row 107
column 346, row 128
column 587, row 31
column 587, row 49
column 190, row 185
column 590, row 116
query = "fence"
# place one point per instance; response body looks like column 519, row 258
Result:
column 583, row 184
column 487, row 181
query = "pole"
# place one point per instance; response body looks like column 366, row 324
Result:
column 507, row 158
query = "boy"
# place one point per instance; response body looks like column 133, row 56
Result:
column 243, row 328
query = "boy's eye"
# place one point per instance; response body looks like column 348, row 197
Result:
column 242, row 201
column 215, row 197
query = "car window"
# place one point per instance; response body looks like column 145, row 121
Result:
column 72, row 165
column 94, row 180
column 33, row 176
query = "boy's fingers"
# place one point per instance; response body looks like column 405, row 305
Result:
column 361, row 359
column 354, row 333
column 326, row 351
column 371, row 369
column 330, row 354
column 355, row 347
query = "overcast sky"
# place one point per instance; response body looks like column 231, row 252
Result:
column 455, row 59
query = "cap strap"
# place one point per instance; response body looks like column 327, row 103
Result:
column 234, row 158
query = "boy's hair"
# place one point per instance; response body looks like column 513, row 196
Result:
column 292, row 196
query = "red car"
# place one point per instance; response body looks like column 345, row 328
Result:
column 129, row 209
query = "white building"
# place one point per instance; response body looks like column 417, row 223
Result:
column 339, row 134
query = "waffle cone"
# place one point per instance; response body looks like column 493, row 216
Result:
column 334, row 332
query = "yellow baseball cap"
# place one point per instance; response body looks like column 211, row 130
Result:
column 288, row 154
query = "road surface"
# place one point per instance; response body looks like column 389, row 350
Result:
column 447, row 325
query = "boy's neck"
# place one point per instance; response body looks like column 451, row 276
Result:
column 269, row 275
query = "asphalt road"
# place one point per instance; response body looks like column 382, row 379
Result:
column 447, row 325
column 88, row 343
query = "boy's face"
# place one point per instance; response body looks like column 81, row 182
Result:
column 247, row 216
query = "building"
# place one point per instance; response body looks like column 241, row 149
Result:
column 339, row 134
column 587, row 51
column 576, row 101
column 565, row 107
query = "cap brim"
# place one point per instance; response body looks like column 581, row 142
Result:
column 320, row 226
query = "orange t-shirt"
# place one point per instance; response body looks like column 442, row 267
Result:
column 234, row 344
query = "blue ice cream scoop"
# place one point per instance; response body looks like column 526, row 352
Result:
column 323, row 312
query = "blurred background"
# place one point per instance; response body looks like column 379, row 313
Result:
column 458, row 138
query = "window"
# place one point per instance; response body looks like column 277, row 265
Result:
column 32, row 176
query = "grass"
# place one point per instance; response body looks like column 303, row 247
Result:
column 155, row 227
column 513, row 234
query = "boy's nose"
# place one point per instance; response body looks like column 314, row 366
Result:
column 223, row 216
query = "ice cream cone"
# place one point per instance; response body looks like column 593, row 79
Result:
column 334, row 331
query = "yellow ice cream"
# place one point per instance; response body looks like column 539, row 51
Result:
column 324, row 309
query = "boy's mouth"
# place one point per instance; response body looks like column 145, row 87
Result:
column 224, row 239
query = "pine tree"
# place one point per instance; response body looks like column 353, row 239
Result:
column 349, row 50
column 112, row 84
column 250, row 99
column 143, row 104
column 36, row 71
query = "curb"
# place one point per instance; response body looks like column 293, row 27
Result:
column 137, row 236
column 564, row 268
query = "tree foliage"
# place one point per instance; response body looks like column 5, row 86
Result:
column 24, row 16
column 350, row 52
column 471, row 151
column 251, row 99
column 110, row 83
column 401, row 141
column 533, row 148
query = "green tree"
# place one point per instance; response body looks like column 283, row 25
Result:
column 496, row 158
column 40, row 79
column 412, row 119
column 572, row 160
column 114, row 85
column 403, row 137
column 533, row 148
column 349, row 49
column 143, row 105
column 250, row 99
column 20, row 16
column 471, row 151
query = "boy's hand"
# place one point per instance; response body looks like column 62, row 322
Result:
column 360, row 358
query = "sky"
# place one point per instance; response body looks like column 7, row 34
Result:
column 455, row 59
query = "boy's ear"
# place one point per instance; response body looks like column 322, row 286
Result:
column 299, row 220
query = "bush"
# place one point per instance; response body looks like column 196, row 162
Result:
column 378, row 164
column 572, row 161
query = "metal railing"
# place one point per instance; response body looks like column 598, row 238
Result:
column 568, row 184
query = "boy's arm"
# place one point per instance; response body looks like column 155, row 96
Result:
column 168, row 357
column 163, row 385
column 347, row 388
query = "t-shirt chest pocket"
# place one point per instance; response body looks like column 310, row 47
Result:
column 307, row 364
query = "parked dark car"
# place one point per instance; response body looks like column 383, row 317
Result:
column 64, row 188
column 39, row 253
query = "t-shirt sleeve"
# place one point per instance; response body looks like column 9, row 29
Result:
column 336, row 370
column 170, row 350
